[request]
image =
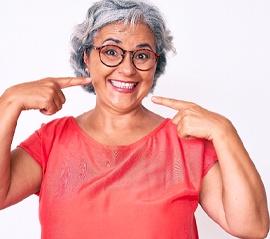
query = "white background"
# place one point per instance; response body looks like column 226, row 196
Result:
column 223, row 64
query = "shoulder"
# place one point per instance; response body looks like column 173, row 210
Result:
column 57, row 124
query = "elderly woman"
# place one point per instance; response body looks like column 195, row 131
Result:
column 120, row 170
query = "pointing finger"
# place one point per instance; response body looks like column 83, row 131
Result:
column 169, row 102
column 65, row 82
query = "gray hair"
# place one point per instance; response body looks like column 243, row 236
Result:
column 106, row 12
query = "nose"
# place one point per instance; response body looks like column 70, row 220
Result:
column 126, row 67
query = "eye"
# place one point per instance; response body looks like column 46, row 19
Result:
column 142, row 55
column 111, row 51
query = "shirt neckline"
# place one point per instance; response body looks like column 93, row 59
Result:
column 100, row 145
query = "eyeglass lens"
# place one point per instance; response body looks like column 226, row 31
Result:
column 143, row 59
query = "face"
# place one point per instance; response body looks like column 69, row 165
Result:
column 122, row 87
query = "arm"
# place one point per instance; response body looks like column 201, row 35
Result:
column 232, row 192
column 20, row 174
column 9, row 162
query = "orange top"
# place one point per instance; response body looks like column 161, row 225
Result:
column 146, row 190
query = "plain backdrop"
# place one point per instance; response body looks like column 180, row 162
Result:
column 222, row 63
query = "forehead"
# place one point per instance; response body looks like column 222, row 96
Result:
column 126, row 34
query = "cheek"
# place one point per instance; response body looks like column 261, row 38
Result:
column 149, row 76
column 93, row 64
column 98, row 72
column 96, row 68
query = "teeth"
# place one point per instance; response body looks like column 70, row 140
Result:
column 123, row 85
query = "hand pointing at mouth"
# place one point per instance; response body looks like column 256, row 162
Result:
column 195, row 121
column 45, row 95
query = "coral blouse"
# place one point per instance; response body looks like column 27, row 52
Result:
column 145, row 190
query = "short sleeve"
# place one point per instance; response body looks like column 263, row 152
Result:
column 32, row 145
column 40, row 143
column 210, row 156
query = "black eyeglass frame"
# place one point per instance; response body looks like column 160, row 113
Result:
column 99, row 48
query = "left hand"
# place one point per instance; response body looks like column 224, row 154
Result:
column 232, row 192
column 195, row 121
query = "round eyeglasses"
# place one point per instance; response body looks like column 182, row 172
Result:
column 112, row 55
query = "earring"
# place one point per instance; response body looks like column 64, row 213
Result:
column 87, row 72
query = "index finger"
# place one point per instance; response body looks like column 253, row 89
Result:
column 65, row 82
column 169, row 102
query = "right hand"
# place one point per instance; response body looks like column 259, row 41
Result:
column 45, row 95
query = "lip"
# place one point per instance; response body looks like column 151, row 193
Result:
column 123, row 86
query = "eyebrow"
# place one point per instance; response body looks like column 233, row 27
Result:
column 112, row 39
column 142, row 45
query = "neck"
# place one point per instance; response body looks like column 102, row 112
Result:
column 118, row 128
column 110, row 119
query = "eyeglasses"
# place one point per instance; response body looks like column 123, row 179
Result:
column 112, row 55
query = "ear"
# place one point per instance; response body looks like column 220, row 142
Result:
column 85, row 57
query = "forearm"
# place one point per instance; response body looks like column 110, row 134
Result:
column 8, row 120
column 243, row 194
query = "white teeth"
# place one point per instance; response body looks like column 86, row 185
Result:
column 123, row 85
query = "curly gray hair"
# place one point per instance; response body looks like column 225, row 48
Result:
column 131, row 12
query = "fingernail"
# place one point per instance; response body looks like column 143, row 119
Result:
column 154, row 98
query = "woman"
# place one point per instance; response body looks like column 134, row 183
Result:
column 120, row 170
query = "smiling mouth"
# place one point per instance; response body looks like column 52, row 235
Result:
column 124, row 85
